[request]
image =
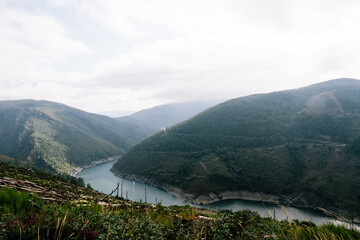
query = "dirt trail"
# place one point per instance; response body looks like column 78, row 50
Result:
column 203, row 165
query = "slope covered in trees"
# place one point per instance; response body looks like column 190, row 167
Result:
column 302, row 145
column 57, row 138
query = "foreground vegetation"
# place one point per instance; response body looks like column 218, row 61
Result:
column 134, row 221
column 40, row 206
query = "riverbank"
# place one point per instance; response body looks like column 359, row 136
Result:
column 301, row 200
column 202, row 199
column 75, row 171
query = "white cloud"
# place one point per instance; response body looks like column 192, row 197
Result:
column 175, row 50
column 243, row 38
column 30, row 44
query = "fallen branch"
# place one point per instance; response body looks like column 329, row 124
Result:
column 107, row 196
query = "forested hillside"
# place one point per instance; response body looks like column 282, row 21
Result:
column 302, row 145
column 57, row 138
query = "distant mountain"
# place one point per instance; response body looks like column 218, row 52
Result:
column 116, row 113
column 57, row 138
column 166, row 115
column 301, row 145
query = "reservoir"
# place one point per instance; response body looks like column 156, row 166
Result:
column 102, row 179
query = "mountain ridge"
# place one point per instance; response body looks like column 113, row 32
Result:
column 58, row 138
column 272, row 143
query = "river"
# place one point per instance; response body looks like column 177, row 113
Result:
column 102, row 179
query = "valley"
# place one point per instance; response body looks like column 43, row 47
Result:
column 179, row 120
column 291, row 156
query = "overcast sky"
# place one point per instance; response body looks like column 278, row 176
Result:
column 102, row 55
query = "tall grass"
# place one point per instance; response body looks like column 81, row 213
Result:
column 16, row 202
column 145, row 221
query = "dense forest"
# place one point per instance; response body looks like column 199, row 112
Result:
column 55, row 137
column 302, row 145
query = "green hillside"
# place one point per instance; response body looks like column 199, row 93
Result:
column 57, row 138
column 302, row 145
column 35, row 205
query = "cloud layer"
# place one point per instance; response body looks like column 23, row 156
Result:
column 102, row 55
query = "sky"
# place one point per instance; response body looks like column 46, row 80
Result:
column 106, row 55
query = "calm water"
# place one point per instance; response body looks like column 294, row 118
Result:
column 102, row 179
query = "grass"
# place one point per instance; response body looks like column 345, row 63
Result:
column 144, row 221
column 15, row 202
